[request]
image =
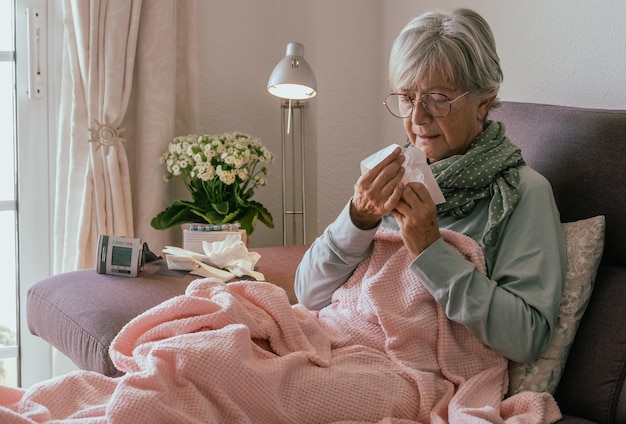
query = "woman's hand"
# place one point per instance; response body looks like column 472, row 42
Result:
column 378, row 191
column 416, row 214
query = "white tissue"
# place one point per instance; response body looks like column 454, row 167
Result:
column 180, row 263
column 415, row 166
column 233, row 255
column 225, row 259
column 177, row 257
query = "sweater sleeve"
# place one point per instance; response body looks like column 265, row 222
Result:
column 513, row 309
column 330, row 260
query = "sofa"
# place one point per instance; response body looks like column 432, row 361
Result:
column 580, row 151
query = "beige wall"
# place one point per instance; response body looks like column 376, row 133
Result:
column 569, row 52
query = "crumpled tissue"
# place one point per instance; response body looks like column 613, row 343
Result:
column 233, row 255
column 415, row 165
column 224, row 259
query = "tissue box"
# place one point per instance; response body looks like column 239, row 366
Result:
column 192, row 239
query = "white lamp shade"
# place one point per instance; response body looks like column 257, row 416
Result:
column 293, row 78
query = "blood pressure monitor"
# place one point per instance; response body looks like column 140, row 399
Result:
column 119, row 256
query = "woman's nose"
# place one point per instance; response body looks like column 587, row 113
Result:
column 419, row 115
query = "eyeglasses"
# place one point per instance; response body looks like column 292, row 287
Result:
column 436, row 104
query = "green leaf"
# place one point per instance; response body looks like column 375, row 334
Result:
column 178, row 213
column 221, row 208
column 240, row 201
column 248, row 220
column 182, row 212
column 263, row 214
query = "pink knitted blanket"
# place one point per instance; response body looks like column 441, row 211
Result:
column 383, row 351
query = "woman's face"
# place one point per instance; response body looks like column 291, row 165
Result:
column 442, row 137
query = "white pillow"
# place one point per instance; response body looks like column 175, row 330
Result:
column 585, row 243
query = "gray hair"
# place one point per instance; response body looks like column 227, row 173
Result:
column 459, row 44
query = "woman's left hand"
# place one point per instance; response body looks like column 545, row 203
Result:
column 416, row 214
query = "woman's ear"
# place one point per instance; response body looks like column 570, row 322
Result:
column 483, row 107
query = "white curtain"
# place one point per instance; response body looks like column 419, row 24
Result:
column 94, row 197
column 119, row 95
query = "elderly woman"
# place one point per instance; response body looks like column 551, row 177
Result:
column 445, row 75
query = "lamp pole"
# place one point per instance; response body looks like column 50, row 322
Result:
column 293, row 173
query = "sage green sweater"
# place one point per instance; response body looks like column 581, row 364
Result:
column 513, row 309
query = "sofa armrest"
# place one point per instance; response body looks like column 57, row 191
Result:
column 278, row 265
column 81, row 312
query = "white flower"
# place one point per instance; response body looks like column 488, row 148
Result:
column 233, row 159
column 227, row 177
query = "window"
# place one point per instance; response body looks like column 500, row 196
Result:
column 8, row 225
column 27, row 132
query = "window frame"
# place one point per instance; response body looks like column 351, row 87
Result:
column 8, row 202
column 35, row 175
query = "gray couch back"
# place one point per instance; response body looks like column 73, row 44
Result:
column 582, row 152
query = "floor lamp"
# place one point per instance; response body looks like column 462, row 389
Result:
column 293, row 81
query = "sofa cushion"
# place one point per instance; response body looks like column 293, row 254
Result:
column 585, row 243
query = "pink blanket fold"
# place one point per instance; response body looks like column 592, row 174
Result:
column 383, row 351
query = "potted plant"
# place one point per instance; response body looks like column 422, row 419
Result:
column 221, row 173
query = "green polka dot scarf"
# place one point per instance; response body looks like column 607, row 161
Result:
column 487, row 170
